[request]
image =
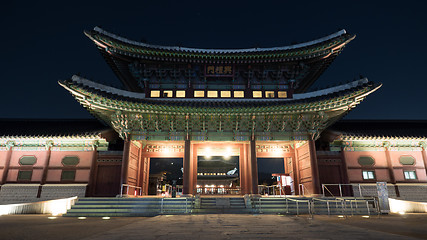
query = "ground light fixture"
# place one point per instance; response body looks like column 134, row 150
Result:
column 51, row 217
column 106, row 218
column 366, row 216
column 81, row 218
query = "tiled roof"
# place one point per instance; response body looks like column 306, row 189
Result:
column 122, row 97
column 51, row 127
column 325, row 46
column 381, row 128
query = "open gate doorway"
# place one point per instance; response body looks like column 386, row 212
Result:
column 163, row 172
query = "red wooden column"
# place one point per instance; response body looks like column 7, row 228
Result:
column 125, row 163
column 295, row 169
column 253, row 168
column 193, row 157
column 45, row 167
column 143, row 169
column 389, row 165
column 242, row 165
column 92, row 176
column 187, row 177
column 390, row 169
column 424, row 153
column 7, row 162
column 314, row 167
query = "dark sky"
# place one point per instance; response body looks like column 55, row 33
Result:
column 43, row 42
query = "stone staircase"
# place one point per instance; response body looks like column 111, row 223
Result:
column 221, row 205
column 277, row 205
column 318, row 206
column 151, row 206
column 126, row 207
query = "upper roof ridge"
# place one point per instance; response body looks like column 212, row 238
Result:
column 246, row 50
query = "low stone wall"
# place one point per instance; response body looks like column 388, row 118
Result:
column 56, row 191
column 26, row 193
column 413, row 192
column 19, row 193
column 370, row 190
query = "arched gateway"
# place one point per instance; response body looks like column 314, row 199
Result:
column 209, row 105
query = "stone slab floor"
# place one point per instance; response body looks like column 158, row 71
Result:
column 215, row 226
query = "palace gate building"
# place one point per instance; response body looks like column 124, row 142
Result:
column 222, row 111
column 196, row 104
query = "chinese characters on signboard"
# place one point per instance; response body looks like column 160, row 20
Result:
column 218, row 71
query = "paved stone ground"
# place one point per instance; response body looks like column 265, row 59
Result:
column 213, row 226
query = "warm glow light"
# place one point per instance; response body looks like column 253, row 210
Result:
column 54, row 207
column 365, row 216
column 402, row 206
column 81, row 218
column 208, row 153
column 198, row 186
column 340, row 216
column 51, row 217
column 105, row 218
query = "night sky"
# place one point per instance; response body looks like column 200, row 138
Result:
column 42, row 43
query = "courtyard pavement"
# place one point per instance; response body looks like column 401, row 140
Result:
column 215, row 226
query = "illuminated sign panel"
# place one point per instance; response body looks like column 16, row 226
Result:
column 218, row 70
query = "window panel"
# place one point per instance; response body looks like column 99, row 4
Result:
column 257, row 94
column 180, row 94
column 282, row 94
column 70, row 161
column 410, row 175
column 366, row 161
column 155, row 93
column 199, row 93
column 407, row 160
column 212, row 94
column 167, row 93
column 68, row 175
column 225, row 94
column 25, row 175
column 27, row 160
column 239, row 94
column 367, row 175
column 269, row 94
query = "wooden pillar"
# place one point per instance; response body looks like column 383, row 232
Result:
column 193, row 171
column 186, row 179
column 253, row 168
column 390, row 170
column 344, row 167
column 125, row 164
column 242, row 174
column 314, row 167
column 45, row 168
column 92, row 175
column 390, row 166
column 7, row 163
column 424, row 153
column 295, row 169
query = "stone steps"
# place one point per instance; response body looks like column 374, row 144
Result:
column 86, row 207
column 100, row 207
